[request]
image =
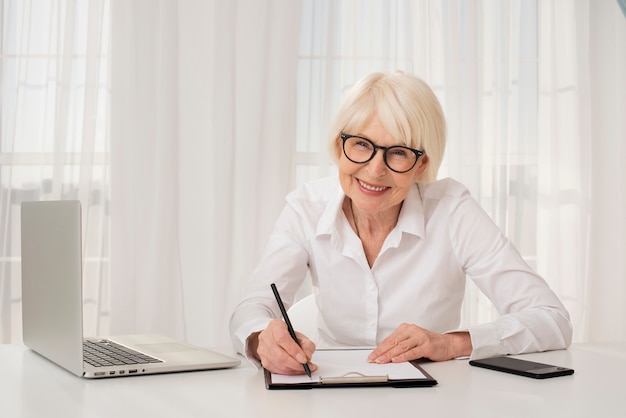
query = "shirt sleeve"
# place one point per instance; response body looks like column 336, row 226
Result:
column 285, row 263
column 532, row 318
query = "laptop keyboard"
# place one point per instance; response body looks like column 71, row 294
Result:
column 107, row 353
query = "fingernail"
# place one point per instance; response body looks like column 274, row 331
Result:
column 301, row 359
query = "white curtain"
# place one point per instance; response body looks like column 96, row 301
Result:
column 604, row 310
column 534, row 95
column 218, row 108
column 54, row 137
column 203, row 124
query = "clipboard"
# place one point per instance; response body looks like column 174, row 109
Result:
column 349, row 369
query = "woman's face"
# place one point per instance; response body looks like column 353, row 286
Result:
column 372, row 186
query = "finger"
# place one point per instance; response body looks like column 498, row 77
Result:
column 384, row 349
column 408, row 355
column 279, row 361
column 399, row 348
column 291, row 347
column 278, row 352
column 307, row 345
column 301, row 350
column 389, row 346
column 400, row 341
column 312, row 367
column 283, row 368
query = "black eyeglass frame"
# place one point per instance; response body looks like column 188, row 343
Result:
column 345, row 137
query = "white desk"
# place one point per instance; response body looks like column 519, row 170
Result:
column 30, row 386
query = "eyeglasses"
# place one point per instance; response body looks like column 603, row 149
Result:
column 360, row 150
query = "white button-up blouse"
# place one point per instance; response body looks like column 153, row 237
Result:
column 442, row 237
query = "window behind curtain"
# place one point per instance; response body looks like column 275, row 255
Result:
column 342, row 41
column 484, row 63
column 54, row 144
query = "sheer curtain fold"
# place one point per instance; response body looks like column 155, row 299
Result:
column 53, row 68
column 604, row 310
column 203, row 103
column 146, row 288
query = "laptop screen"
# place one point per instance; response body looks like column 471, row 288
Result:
column 52, row 281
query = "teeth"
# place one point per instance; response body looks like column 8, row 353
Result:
column 372, row 188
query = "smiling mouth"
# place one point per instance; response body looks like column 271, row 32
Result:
column 371, row 187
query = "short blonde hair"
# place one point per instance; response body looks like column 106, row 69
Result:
column 406, row 106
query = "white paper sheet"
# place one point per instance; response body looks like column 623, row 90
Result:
column 337, row 363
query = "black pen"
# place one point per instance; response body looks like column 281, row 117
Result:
column 289, row 326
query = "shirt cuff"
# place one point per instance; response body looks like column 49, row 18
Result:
column 485, row 341
column 241, row 338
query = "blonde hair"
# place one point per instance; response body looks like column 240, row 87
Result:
column 406, row 106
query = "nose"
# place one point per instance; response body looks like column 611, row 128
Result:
column 377, row 164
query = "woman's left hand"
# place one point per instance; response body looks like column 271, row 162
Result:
column 410, row 342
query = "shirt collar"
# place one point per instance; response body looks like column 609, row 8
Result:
column 332, row 215
column 411, row 220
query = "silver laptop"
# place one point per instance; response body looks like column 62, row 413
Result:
column 52, row 307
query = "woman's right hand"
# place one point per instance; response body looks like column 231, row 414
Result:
column 278, row 352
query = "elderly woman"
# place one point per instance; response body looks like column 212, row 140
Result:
column 388, row 248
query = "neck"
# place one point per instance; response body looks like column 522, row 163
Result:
column 374, row 225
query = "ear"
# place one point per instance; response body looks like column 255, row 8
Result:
column 422, row 163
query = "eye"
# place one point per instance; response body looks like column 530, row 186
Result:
column 398, row 152
column 361, row 143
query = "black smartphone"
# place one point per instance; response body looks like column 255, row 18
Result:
column 522, row 367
